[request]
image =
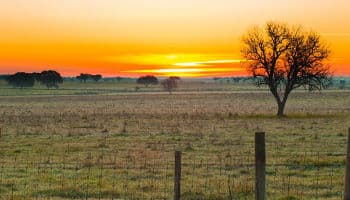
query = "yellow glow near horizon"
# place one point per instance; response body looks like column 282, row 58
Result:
column 189, row 64
column 200, row 70
column 155, row 59
column 179, row 64
column 184, row 70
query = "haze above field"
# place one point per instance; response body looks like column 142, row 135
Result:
column 187, row 38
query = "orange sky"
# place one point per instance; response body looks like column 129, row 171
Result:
column 161, row 37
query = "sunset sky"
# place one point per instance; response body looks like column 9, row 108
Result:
column 188, row 38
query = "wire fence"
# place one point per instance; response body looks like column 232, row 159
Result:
column 294, row 170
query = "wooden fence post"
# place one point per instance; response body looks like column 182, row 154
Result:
column 347, row 172
column 260, row 166
column 177, row 180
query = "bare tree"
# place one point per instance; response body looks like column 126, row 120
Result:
column 285, row 58
column 170, row 84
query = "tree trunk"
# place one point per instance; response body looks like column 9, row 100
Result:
column 281, row 106
column 281, row 102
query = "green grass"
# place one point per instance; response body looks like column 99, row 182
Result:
column 57, row 146
column 104, row 87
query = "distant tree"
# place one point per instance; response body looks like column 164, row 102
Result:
column 36, row 76
column 236, row 79
column 284, row 59
column 4, row 77
column 83, row 77
column 50, row 78
column 342, row 84
column 96, row 77
column 119, row 78
column 21, row 80
column 177, row 78
column 170, row 84
column 147, row 80
column 216, row 79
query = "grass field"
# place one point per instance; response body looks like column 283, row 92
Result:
column 114, row 142
column 114, row 87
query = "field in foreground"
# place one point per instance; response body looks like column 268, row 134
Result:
column 122, row 146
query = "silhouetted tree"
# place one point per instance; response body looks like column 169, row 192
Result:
column 21, row 80
column 4, row 77
column 216, row 79
column 285, row 58
column 119, row 78
column 177, row 78
column 83, row 77
column 50, row 78
column 96, row 77
column 147, row 80
column 170, row 84
column 342, row 84
column 236, row 79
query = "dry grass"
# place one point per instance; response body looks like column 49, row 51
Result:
column 122, row 145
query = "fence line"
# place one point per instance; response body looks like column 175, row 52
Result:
column 108, row 175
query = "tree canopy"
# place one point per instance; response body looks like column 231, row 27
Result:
column 21, row 79
column 147, row 80
column 84, row 77
column 50, row 78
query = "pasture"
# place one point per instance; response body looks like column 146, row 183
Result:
column 103, row 141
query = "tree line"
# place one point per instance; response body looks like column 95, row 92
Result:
column 49, row 78
column 52, row 79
